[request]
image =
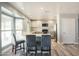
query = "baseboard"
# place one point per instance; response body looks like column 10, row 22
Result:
column 76, row 43
column 59, row 42
column 67, row 43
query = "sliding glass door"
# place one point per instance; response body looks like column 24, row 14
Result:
column 6, row 29
column 10, row 23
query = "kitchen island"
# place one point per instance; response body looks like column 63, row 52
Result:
column 41, row 42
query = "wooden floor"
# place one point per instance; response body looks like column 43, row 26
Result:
column 56, row 50
column 64, row 50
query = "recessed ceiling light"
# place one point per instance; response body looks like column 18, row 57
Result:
column 22, row 8
column 20, row 5
column 41, row 8
column 30, row 16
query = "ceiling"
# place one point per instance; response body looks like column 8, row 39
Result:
column 46, row 10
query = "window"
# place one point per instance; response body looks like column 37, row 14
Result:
column 19, row 28
column 19, row 24
column 8, row 20
column 6, row 29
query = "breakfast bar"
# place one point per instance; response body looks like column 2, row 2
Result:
column 38, row 43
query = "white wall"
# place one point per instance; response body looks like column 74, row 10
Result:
column 0, row 29
column 67, row 29
column 76, row 30
column 58, row 28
